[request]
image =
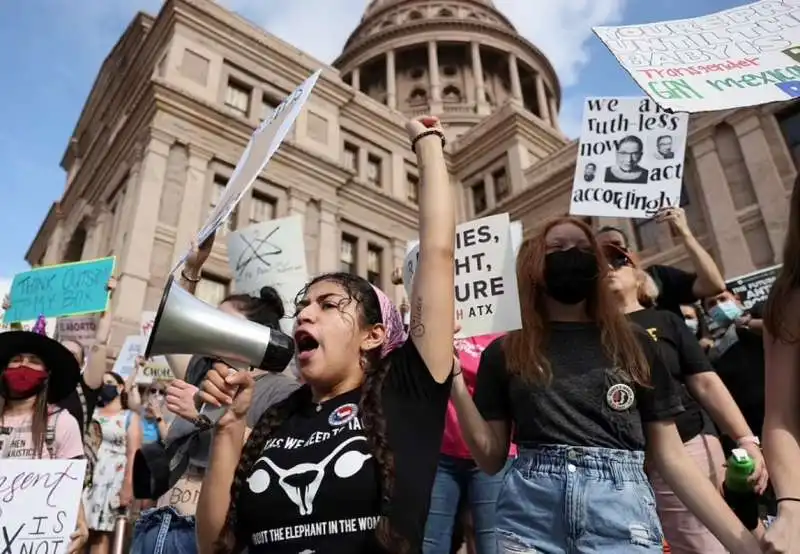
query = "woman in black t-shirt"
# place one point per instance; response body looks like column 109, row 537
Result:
column 345, row 464
column 585, row 395
column 688, row 364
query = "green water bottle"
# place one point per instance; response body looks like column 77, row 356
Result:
column 738, row 491
column 740, row 467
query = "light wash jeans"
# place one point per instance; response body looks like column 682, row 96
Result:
column 569, row 500
column 164, row 531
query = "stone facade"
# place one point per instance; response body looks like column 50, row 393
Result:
column 176, row 100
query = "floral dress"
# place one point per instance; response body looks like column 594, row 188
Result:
column 102, row 497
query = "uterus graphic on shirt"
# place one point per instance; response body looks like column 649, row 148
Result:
column 302, row 482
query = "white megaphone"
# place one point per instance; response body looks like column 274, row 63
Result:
column 185, row 324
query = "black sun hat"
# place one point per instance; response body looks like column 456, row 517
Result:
column 63, row 370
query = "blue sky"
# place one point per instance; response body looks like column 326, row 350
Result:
column 51, row 50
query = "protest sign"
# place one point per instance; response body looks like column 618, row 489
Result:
column 270, row 253
column 81, row 329
column 155, row 369
column 485, row 278
column 742, row 56
column 60, row 290
column 262, row 146
column 516, row 236
column 754, row 287
column 39, row 502
column 630, row 158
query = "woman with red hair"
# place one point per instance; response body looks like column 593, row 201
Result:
column 586, row 394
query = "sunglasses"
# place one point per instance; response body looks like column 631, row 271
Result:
column 156, row 391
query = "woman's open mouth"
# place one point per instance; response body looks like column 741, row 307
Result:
column 306, row 345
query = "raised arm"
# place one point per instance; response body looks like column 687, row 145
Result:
column 98, row 353
column 432, row 295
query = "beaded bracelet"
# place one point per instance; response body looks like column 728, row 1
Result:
column 427, row 133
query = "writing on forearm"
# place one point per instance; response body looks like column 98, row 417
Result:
column 416, row 328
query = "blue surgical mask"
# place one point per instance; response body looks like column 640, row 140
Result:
column 725, row 313
column 692, row 325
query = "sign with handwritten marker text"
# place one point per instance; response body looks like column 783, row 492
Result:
column 259, row 151
column 742, row 56
column 60, row 290
column 630, row 158
column 486, row 294
column 271, row 253
column 39, row 501
column 80, row 328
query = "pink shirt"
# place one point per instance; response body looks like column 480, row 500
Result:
column 469, row 356
column 16, row 439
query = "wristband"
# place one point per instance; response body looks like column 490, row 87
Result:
column 787, row 499
column 184, row 276
column 751, row 439
column 427, row 133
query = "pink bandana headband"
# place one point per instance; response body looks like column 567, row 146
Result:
column 393, row 322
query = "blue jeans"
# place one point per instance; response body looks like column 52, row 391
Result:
column 568, row 500
column 455, row 478
column 164, row 531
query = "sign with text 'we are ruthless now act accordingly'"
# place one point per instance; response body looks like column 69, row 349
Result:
column 60, row 290
column 743, row 56
column 486, row 294
column 630, row 158
column 259, row 151
column 39, row 502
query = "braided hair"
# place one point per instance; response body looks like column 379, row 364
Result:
column 232, row 539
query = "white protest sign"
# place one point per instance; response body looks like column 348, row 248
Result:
column 155, row 369
column 516, row 236
column 630, row 158
column 262, row 146
column 743, row 56
column 146, row 322
column 486, row 294
column 271, row 253
column 39, row 501
column 79, row 328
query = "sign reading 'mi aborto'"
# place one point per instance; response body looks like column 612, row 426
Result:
column 630, row 158
column 743, row 56
column 485, row 277
column 60, row 290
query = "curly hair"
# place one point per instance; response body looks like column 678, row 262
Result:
column 782, row 325
column 232, row 538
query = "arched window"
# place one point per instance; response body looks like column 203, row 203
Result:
column 444, row 12
column 418, row 96
column 414, row 15
column 416, row 73
column 451, row 94
column 449, row 71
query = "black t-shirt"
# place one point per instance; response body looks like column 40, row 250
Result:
column 674, row 287
column 683, row 357
column 316, row 486
column 588, row 402
column 74, row 404
column 741, row 368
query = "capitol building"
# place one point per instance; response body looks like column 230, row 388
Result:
column 179, row 95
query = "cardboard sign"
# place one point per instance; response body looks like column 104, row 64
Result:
column 81, row 329
column 60, row 290
column 39, row 501
column 262, row 146
column 271, row 253
column 486, row 294
column 743, row 56
column 630, row 158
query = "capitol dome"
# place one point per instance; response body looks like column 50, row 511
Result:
column 457, row 59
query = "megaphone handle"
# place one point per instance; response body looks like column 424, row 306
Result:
column 213, row 414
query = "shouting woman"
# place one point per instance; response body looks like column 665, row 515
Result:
column 345, row 463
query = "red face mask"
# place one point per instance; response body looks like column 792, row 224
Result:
column 22, row 381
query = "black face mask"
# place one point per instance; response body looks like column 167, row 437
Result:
column 570, row 275
column 107, row 395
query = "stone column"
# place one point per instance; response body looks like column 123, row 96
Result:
column 488, row 185
column 55, row 242
column 770, row 192
column 477, row 73
column 433, row 73
column 134, row 261
column 518, row 161
column 541, row 99
column 398, row 257
column 553, row 112
column 193, row 202
column 362, row 253
column 127, row 206
column 513, row 69
column 733, row 254
column 328, row 238
column 93, row 246
column 298, row 205
column 391, row 83
column 356, row 79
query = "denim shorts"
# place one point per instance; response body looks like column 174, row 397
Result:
column 571, row 500
column 164, row 531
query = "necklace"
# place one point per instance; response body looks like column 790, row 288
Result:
column 319, row 407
